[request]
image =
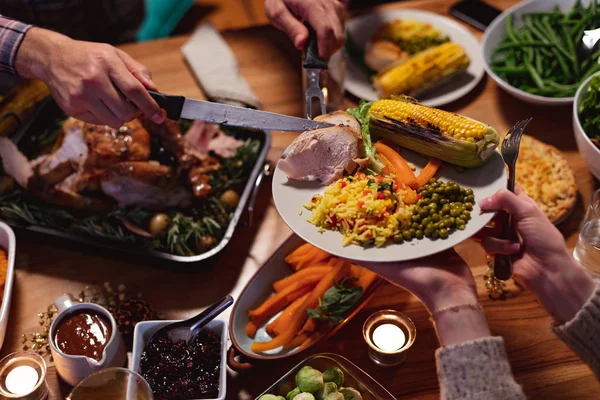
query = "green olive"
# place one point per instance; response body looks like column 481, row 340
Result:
column 158, row 224
column 230, row 198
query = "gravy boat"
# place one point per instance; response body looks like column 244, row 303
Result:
column 73, row 368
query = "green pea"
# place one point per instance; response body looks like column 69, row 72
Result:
column 426, row 221
column 469, row 192
column 419, row 190
column 435, row 197
column 407, row 235
column 433, row 180
column 436, row 217
column 445, row 209
column 469, row 206
column 431, row 226
column 423, row 212
column 460, row 221
column 449, row 221
column 443, row 233
column 398, row 238
column 452, row 197
column 428, row 231
column 460, row 227
column 444, row 201
column 412, row 231
column 425, row 193
column 415, row 225
column 455, row 212
column 466, row 215
column 451, row 183
column 435, row 234
column 419, row 234
column 423, row 202
column 470, row 198
column 415, row 217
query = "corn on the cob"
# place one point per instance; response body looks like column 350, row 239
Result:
column 423, row 71
column 435, row 133
column 19, row 103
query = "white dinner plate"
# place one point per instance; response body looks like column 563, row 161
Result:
column 363, row 27
column 291, row 195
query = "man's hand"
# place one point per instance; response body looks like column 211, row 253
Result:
column 93, row 82
column 325, row 16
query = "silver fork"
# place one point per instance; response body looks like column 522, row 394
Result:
column 510, row 152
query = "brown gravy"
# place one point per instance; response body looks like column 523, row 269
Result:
column 83, row 333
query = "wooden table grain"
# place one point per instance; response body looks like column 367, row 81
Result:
column 542, row 364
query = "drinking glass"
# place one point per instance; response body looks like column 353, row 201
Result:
column 331, row 81
column 112, row 384
column 587, row 251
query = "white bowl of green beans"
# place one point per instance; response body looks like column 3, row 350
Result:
column 533, row 50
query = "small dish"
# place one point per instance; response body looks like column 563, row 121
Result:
column 354, row 377
column 144, row 331
column 361, row 28
column 497, row 31
column 256, row 291
column 8, row 243
column 587, row 149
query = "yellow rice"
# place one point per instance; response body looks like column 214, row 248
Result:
column 363, row 208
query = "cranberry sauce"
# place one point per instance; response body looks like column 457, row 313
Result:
column 182, row 371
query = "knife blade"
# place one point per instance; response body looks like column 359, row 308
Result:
column 178, row 107
column 313, row 65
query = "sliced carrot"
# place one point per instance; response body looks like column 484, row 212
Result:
column 251, row 329
column 284, row 319
column 403, row 172
column 295, row 342
column 300, row 275
column 278, row 301
column 300, row 314
column 429, row 171
column 410, row 196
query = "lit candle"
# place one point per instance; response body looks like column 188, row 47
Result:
column 389, row 337
column 21, row 380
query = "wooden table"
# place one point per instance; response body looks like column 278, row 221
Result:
column 541, row 363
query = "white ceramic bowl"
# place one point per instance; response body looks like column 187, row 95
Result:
column 8, row 243
column 144, row 331
column 496, row 32
column 589, row 152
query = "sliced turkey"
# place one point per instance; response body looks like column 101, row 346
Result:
column 324, row 154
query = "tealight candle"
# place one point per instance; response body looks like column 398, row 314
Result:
column 389, row 337
column 23, row 376
column 21, row 380
column 389, row 334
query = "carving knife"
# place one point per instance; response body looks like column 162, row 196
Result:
column 178, row 107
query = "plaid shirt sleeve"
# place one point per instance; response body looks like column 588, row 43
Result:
column 11, row 35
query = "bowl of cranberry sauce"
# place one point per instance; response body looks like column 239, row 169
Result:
column 180, row 370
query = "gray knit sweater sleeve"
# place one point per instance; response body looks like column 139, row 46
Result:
column 476, row 369
column 582, row 333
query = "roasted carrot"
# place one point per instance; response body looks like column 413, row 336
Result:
column 309, row 340
column 309, row 326
column 295, row 342
column 320, row 269
column 300, row 314
column 251, row 329
column 278, row 325
column 429, row 171
column 355, row 271
column 311, row 257
column 278, row 301
column 366, row 279
column 403, row 172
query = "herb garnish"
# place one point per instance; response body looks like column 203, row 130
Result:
column 337, row 302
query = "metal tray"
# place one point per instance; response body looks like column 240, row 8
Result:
column 48, row 111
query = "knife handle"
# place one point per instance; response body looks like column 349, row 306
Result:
column 311, row 54
column 171, row 104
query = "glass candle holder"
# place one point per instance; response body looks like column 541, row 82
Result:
column 389, row 334
column 587, row 251
column 114, row 384
column 23, row 377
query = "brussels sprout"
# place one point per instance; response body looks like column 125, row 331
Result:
column 268, row 397
column 281, row 398
column 292, row 394
column 335, row 375
column 328, row 387
column 309, row 380
column 351, row 394
column 304, row 396
column 334, row 396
